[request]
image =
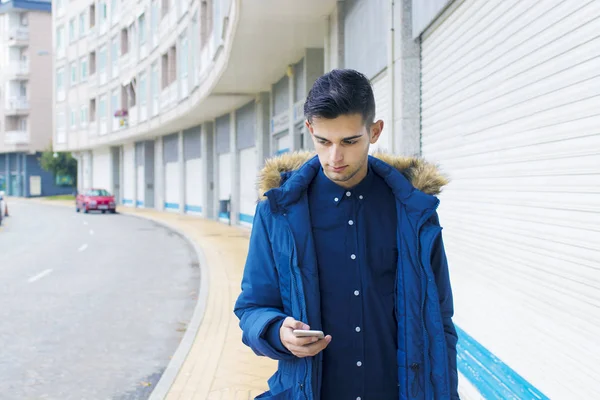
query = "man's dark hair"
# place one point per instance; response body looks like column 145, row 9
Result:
column 341, row 92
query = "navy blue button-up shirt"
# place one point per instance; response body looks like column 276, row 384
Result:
column 355, row 239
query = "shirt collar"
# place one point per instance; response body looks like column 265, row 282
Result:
column 331, row 193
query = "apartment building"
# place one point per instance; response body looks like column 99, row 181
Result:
column 175, row 104
column 26, row 99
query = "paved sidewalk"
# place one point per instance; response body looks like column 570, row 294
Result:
column 218, row 365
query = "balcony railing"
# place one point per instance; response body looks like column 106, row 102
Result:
column 19, row 34
column 16, row 137
column 19, row 103
column 19, row 68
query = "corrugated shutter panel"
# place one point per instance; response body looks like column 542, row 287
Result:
column 245, row 126
column 170, row 148
column 281, row 96
column 511, row 111
column 222, row 129
column 365, row 35
column 139, row 154
column 381, row 91
column 191, row 143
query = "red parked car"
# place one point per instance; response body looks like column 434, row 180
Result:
column 95, row 199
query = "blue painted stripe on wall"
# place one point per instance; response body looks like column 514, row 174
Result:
column 278, row 152
column 193, row 208
column 224, row 215
column 172, row 206
column 246, row 218
column 490, row 376
column 127, row 201
column 139, row 203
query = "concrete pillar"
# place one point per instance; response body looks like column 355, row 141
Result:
column 406, row 71
column 263, row 130
column 334, row 38
column 181, row 168
column 235, row 171
column 159, row 175
column 215, row 172
column 121, row 173
column 294, row 137
column 208, row 162
column 135, row 176
column 314, row 67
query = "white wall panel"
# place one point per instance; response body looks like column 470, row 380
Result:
column 87, row 170
column 248, row 195
column 129, row 172
column 193, row 186
column 141, row 184
column 172, row 186
column 101, row 169
column 511, row 111
column 381, row 91
column 224, row 161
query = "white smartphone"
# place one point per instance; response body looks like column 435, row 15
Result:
column 303, row 333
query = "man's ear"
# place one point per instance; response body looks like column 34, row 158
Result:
column 309, row 126
column 375, row 131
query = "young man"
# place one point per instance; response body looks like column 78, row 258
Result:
column 349, row 244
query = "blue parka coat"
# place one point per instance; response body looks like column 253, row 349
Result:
column 281, row 278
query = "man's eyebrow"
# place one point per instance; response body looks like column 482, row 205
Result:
column 346, row 138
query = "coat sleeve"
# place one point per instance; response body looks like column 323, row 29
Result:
column 439, row 264
column 259, row 306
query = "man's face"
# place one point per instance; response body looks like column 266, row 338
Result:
column 342, row 145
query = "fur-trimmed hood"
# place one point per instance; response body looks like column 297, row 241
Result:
column 422, row 175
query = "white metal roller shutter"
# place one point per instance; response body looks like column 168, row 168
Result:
column 101, row 169
column 511, row 111
column 381, row 91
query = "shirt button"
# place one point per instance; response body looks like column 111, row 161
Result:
column 358, row 364
column 348, row 194
column 356, row 292
column 353, row 256
column 336, row 199
column 358, row 398
column 350, row 222
column 360, row 197
column 357, row 329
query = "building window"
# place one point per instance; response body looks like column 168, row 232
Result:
column 60, row 84
column 142, row 92
column 24, row 19
column 23, row 124
column 102, row 60
column 114, row 7
column 183, row 62
column 73, row 117
column 83, row 115
column 92, row 12
column 72, row 32
column 124, row 41
column 102, row 111
column 60, row 41
column 73, row 73
column 92, row 110
column 84, row 68
column 60, row 121
column 92, row 66
column 142, row 29
column 82, row 25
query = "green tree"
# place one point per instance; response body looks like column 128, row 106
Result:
column 60, row 164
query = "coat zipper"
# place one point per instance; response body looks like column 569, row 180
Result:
column 302, row 316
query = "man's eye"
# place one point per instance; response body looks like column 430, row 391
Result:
column 323, row 142
column 349, row 141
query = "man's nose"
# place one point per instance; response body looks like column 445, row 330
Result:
column 335, row 155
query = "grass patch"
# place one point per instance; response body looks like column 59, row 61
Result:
column 60, row 197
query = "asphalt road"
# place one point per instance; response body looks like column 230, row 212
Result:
column 92, row 306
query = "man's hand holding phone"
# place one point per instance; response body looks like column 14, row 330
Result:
column 301, row 344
